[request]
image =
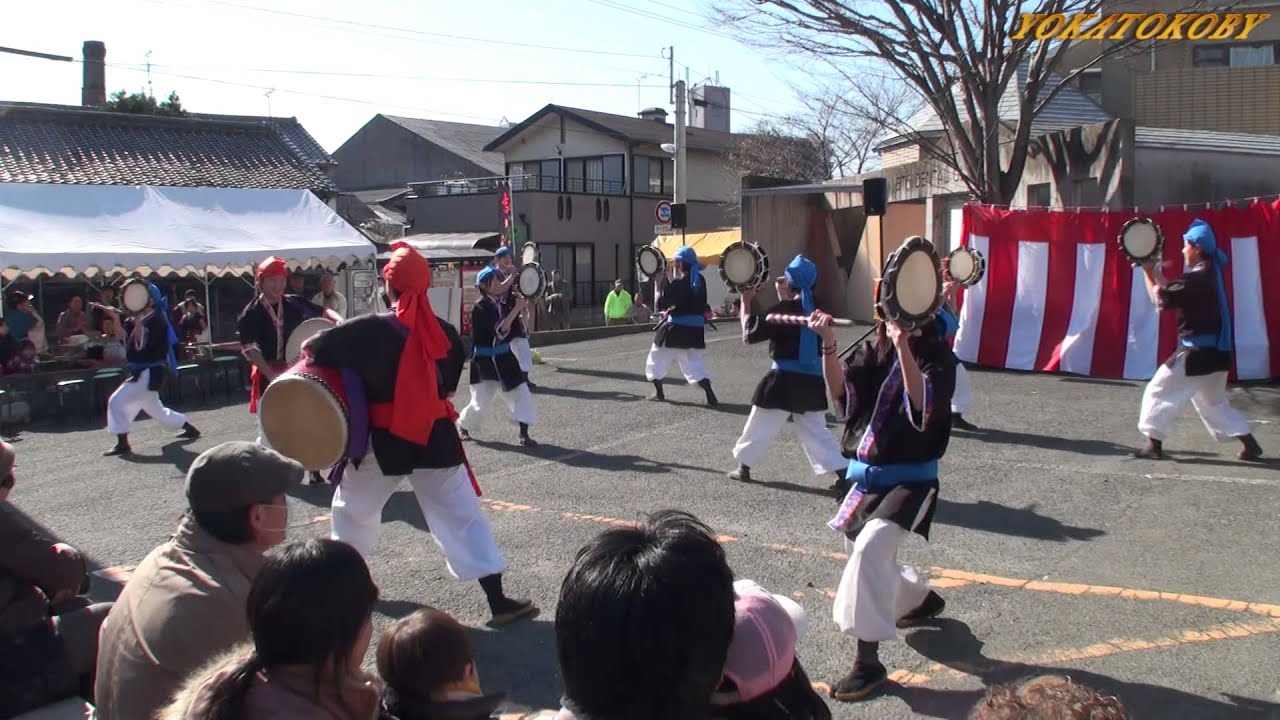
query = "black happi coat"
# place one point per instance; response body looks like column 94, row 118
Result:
column 879, row 431
column 518, row 329
column 1195, row 298
column 255, row 327
column 782, row 389
column 682, row 299
column 486, row 315
column 154, row 350
column 370, row 345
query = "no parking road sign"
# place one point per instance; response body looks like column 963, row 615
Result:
column 663, row 212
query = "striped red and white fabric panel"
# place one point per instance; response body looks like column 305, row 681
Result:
column 1059, row 296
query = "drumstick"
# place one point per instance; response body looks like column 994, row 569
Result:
column 781, row 319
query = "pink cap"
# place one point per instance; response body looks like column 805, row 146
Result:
column 765, row 636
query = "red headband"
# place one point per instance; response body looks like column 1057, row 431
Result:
column 272, row 267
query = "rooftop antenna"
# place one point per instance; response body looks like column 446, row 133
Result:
column 150, row 90
column 267, row 94
column 639, row 99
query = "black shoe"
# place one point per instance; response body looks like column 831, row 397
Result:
column 959, row 423
column 463, row 434
column 189, row 432
column 862, row 681
column 932, row 606
column 119, row 449
column 840, row 488
column 1251, row 451
column 743, row 473
column 711, row 396
column 1154, row 450
column 527, row 441
column 316, row 479
column 657, row 392
column 509, row 611
column 530, row 384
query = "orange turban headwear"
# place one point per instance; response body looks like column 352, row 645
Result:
column 272, row 267
column 417, row 404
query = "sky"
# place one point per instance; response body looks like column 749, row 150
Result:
column 334, row 65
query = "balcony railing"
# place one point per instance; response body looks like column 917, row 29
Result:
column 519, row 183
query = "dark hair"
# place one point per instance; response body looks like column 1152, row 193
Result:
column 644, row 621
column 1048, row 697
column 422, row 653
column 793, row 699
column 307, row 606
column 6, row 480
column 229, row 526
column 26, row 344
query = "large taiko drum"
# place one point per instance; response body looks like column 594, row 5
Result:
column 307, row 415
column 306, row 330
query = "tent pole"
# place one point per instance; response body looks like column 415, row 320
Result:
column 208, row 310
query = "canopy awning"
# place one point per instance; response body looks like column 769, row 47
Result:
column 103, row 229
column 708, row 245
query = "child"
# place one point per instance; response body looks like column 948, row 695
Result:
column 426, row 662
column 25, row 360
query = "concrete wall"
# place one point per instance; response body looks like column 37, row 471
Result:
column 1171, row 177
column 382, row 155
column 455, row 213
column 573, row 139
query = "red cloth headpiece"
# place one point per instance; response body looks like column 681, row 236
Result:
column 417, row 404
column 272, row 267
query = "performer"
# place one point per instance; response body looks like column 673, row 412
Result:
column 895, row 393
column 793, row 387
column 265, row 325
column 409, row 362
column 949, row 322
column 681, row 335
column 519, row 335
column 150, row 356
column 1197, row 370
column 495, row 371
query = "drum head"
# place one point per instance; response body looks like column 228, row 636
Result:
column 966, row 266
column 303, row 420
column 135, row 296
column 306, row 330
column 739, row 266
column 531, row 281
column 528, row 254
column 911, row 290
column 650, row 261
column 762, row 257
column 1141, row 239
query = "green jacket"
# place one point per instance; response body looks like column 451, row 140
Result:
column 617, row 304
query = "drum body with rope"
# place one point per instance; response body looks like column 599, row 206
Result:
column 134, row 296
column 305, row 415
column 1141, row 240
column 910, row 292
column 530, row 280
column 966, row 266
column 650, row 262
column 306, row 330
column 529, row 254
column 743, row 266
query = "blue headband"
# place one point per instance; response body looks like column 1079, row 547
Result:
column 485, row 274
column 689, row 257
column 504, row 250
column 802, row 275
column 1200, row 235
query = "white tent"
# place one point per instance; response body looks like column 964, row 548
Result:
column 93, row 229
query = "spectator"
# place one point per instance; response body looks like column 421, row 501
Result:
column 559, row 301
column 311, row 618
column 297, row 283
column 426, row 662
column 644, row 622
column 9, row 346
column 1048, row 697
column 48, row 632
column 190, row 320
column 641, row 309
column 763, row 679
column 24, row 322
column 24, row 361
column 329, row 297
column 109, row 350
column 104, row 307
column 185, row 603
column 73, row 321
column 617, row 305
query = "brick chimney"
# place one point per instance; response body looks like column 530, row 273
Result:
column 94, row 92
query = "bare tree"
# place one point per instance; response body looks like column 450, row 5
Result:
column 780, row 148
column 850, row 122
column 958, row 55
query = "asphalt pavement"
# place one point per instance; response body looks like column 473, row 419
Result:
column 1056, row 552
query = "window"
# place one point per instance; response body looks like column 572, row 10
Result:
column 1039, row 195
column 1091, row 82
column 654, row 175
column 602, row 175
column 550, row 176
column 615, row 181
column 1243, row 55
column 1088, row 193
column 583, row 275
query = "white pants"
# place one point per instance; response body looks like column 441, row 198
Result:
column 962, row 398
column 876, row 589
column 524, row 354
column 520, row 401
column 133, row 397
column 762, row 426
column 1169, row 392
column 690, row 360
column 449, row 505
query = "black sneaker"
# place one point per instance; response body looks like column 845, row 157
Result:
column 530, row 384
column 118, row 450
column 528, row 442
column 743, row 473
column 512, row 610
column 840, row 488
column 932, row 606
column 316, row 479
column 959, row 423
column 862, row 681
column 189, row 432
column 463, row 434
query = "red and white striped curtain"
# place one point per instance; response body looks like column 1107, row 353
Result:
column 1060, row 296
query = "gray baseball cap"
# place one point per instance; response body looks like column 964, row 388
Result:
column 238, row 474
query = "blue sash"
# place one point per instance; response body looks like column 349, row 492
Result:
column 871, row 477
column 796, row 366
column 949, row 322
column 688, row 320
column 1201, row 341
column 489, row 352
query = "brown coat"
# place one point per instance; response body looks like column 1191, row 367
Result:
column 278, row 694
column 31, row 572
column 184, row 605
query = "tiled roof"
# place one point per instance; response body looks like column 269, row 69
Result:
column 626, row 127
column 289, row 128
column 52, row 144
column 1206, row 140
column 462, row 139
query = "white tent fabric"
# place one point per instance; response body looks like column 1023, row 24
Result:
column 92, row 229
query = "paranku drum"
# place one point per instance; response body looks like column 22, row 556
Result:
column 743, row 266
column 911, row 290
column 966, row 266
column 306, row 330
column 529, row 254
column 304, row 415
column 135, row 296
column 530, row 281
column 650, row 262
column 1141, row 240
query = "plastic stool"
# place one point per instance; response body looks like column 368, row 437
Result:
column 185, row 371
column 66, row 389
column 105, row 383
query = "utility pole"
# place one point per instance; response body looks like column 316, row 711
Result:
column 150, row 90
column 682, row 152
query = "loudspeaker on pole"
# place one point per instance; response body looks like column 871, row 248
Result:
column 875, row 196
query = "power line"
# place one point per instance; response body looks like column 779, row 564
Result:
column 428, row 78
